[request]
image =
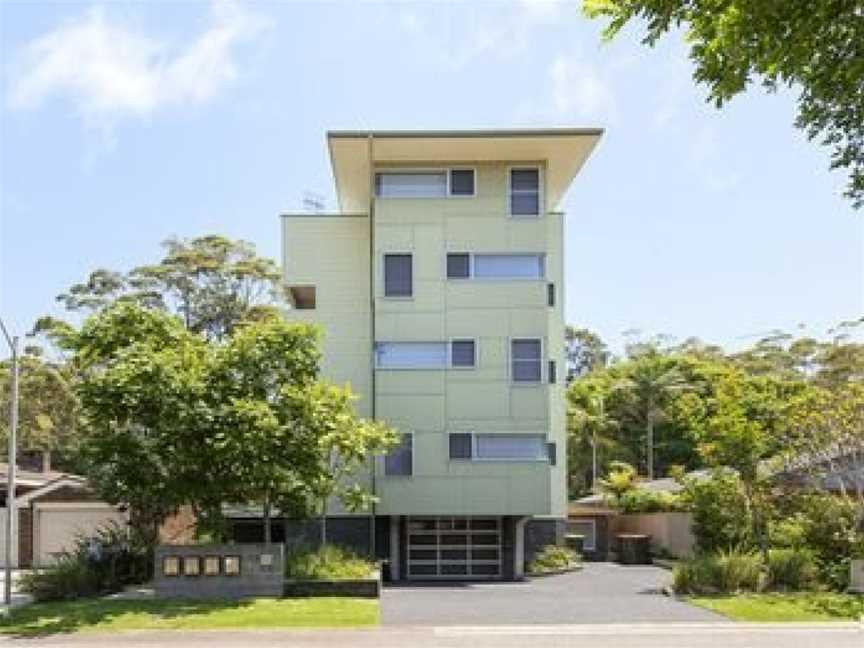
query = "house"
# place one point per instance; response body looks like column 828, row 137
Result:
column 54, row 510
column 439, row 284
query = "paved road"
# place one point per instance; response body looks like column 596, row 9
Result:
column 671, row 635
column 600, row 593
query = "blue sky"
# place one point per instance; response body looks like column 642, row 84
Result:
column 122, row 124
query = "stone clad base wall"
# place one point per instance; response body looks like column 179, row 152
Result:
column 257, row 577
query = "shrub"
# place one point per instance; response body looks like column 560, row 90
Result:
column 103, row 562
column 328, row 562
column 553, row 558
column 721, row 518
column 792, row 569
column 722, row 572
column 646, row 501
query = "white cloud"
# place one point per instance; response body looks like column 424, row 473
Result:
column 580, row 89
column 110, row 70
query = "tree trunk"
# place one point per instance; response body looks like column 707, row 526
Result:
column 268, row 531
column 650, row 448
column 323, row 521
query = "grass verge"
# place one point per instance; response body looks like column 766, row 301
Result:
column 802, row 606
column 99, row 615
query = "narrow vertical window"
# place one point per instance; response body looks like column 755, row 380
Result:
column 399, row 461
column 550, row 294
column 525, row 192
column 552, row 452
column 398, row 275
column 553, row 373
column 525, row 361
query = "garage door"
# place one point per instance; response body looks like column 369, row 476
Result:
column 454, row 547
column 56, row 528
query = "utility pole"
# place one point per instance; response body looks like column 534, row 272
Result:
column 11, row 512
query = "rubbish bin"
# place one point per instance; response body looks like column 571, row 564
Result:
column 634, row 549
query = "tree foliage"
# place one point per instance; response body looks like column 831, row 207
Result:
column 213, row 283
column 171, row 418
column 816, row 46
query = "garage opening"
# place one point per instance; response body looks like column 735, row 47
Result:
column 453, row 548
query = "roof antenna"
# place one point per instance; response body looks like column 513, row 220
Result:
column 313, row 203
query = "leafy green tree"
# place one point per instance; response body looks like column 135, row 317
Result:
column 213, row 283
column 620, row 480
column 171, row 418
column 47, row 409
column 649, row 386
column 814, row 45
column 585, row 352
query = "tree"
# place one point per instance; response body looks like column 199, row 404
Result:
column 815, row 45
column 172, row 418
column 620, row 480
column 735, row 433
column 826, row 437
column 591, row 433
column 585, row 352
column 211, row 282
column 47, row 409
column 650, row 386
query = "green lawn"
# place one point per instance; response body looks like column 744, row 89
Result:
column 805, row 606
column 106, row 615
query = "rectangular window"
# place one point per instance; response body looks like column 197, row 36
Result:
column 526, row 362
column 525, row 192
column 463, row 353
column 411, row 355
column 525, row 447
column 460, row 445
column 425, row 355
column 552, row 452
column 411, row 184
column 509, row 266
column 553, row 373
column 550, row 294
column 458, row 265
column 461, row 182
column 399, row 461
column 398, row 275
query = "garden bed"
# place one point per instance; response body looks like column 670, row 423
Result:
column 352, row 587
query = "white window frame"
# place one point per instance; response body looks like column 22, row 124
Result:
column 525, row 383
column 472, row 276
column 448, row 349
column 461, row 168
column 384, row 295
column 430, row 170
column 543, row 458
column 541, row 194
column 463, row 338
column 413, row 459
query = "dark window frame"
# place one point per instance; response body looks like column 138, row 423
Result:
column 456, row 443
column 514, row 360
column 450, row 173
column 391, row 459
column 454, row 341
column 398, row 295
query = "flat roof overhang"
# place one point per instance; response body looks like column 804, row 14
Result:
column 352, row 153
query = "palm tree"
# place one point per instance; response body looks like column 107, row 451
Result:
column 649, row 386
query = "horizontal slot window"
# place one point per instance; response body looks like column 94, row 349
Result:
column 462, row 265
column 411, row 184
column 528, row 447
column 459, row 354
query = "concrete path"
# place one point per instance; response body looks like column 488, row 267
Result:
column 599, row 593
column 670, row 635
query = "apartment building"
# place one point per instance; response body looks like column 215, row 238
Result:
column 439, row 284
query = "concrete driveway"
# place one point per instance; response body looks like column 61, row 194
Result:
column 599, row 593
